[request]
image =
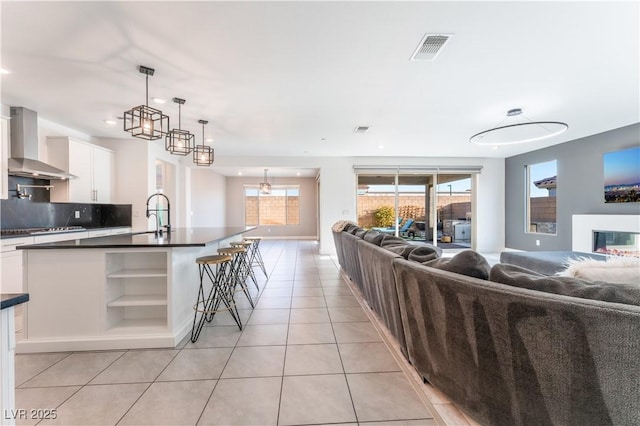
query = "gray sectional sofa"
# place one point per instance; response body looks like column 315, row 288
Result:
column 518, row 349
column 545, row 262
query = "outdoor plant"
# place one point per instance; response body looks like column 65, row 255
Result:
column 385, row 216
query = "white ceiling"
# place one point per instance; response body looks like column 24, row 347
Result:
column 295, row 78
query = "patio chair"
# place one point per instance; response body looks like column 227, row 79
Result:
column 405, row 226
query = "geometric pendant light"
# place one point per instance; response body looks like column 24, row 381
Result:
column 203, row 154
column 143, row 121
column 178, row 141
column 518, row 130
column 265, row 187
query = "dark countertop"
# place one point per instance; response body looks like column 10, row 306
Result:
column 8, row 300
column 179, row 237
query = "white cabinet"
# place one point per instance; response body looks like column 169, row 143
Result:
column 4, row 156
column 11, row 264
column 102, row 162
column 91, row 163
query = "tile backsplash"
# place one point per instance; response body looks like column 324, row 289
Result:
column 38, row 212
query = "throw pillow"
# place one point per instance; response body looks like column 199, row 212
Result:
column 392, row 240
column 620, row 270
column 468, row 262
column 568, row 286
column 402, row 249
column 352, row 230
column 374, row 237
column 343, row 225
column 360, row 233
column 425, row 253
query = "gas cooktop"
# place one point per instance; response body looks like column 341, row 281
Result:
column 40, row 231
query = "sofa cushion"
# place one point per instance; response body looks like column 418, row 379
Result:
column 424, row 253
column 391, row 240
column 341, row 225
column 621, row 270
column 360, row 232
column 374, row 237
column 567, row 286
column 352, row 230
column 402, row 249
column 468, row 262
column 349, row 227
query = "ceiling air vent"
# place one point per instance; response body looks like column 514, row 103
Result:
column 361, row 129
column 430, row 46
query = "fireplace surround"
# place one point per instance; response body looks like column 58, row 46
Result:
column 608, row 234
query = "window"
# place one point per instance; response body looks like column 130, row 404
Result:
column 281, row 207
column 541, row 181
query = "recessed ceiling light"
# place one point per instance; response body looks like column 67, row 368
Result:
column 298, row 174
column 323, row 139
column 209, row 140
column 159, row 100
column 4, row 71
column 380, row 146
column 361, row 129
column 495, row 148
column 110, row 122
column 239, row 172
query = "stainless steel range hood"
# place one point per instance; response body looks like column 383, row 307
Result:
column 24, row 159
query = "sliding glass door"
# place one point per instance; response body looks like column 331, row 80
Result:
column 417, row 205
column 454, row 209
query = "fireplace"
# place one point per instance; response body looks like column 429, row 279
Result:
column 616, row 243
column 603, row 233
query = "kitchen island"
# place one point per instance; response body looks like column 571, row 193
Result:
column 117, row 292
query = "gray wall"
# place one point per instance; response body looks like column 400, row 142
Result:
column 580, row 186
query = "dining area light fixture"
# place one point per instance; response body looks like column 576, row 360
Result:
column 513, row 130
column 203, row 154
column 265, row 187
column 143, row 121
column 178, row 141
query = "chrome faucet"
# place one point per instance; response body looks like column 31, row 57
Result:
column 156, row 212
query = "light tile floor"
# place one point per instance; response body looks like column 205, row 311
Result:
column 308, row 354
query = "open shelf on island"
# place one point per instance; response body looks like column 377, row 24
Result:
column 139, row 300
column 136, row 326
column 136, row 291
column 139, row 273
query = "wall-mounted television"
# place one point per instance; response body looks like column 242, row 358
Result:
column 622, row 176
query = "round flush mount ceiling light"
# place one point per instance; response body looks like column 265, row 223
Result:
column 518, row 131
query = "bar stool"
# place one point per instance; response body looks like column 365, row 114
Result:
column 221, row 292
column 237, row 269
column 248, row 270
column 255, row 258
